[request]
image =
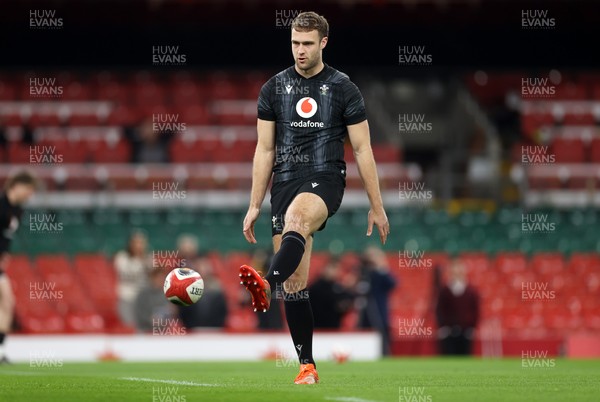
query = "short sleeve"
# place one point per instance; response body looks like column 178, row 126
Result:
column 354, row 110
column 265, row 104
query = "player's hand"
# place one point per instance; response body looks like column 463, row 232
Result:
column 380, row 219
column 249, row 221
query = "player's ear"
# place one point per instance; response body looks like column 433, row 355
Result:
column 324, row 42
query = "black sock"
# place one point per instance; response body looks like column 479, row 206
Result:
column 298, row 313
column 2, row 336
column 286, row 260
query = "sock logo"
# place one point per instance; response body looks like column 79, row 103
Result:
column 299, row 347
column 275, row 272
column 314, row 184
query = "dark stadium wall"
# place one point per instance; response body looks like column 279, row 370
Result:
column 245, row 34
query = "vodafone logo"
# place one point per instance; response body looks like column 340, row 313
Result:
column 306, row 107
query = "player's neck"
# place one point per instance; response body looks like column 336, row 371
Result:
column 310, row 72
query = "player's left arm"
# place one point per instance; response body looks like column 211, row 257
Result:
column 360, row 139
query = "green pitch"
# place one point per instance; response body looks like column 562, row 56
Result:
column 420, row 380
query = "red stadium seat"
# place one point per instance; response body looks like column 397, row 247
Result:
column 40, row 120
column 547, row 264
column 595, row 150
column 123, row 116
column 531, row 123
column 99, row 280
column 77, row 91
column 570, row 91
column 8, row 90
column 387, row 154
column 196, row 115
column 508, row 263
column 84, row 322
column 84, row 120
column 568, row 150
column 185, row 152
column 579, row 119
column 49, row 323
column 114, row 92
column 105, row 152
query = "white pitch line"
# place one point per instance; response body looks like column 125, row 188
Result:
column 348, row 399
column 189, row 383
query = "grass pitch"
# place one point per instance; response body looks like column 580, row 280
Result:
column 403, row 380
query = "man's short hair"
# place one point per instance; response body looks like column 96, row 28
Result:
column 310, row 21
column 22, row 177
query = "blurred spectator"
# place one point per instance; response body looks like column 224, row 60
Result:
column 27, row 133
column 273, row 318
column 151, row 304
column 132, row 266
column 457, row 312
column 334, row 300
column 375, row 286
column 212, row 310
column 148, row 145
column 188, row 251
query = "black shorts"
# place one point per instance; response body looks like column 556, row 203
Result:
column 329, row 186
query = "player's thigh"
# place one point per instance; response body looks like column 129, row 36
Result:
column 299, row 279
column 6, row 294
column 306, row 214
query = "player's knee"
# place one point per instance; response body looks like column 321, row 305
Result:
column 295, row 222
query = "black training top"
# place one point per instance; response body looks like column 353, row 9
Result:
column 311, row 116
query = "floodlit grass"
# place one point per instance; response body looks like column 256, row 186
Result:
column 406, row 379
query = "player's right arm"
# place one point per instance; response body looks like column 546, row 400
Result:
column 262, row 169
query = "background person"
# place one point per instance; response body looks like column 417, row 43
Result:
column 132, row 265
column 18, row 189
column 457, row 312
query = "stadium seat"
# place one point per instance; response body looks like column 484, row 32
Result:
column 568, row 150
